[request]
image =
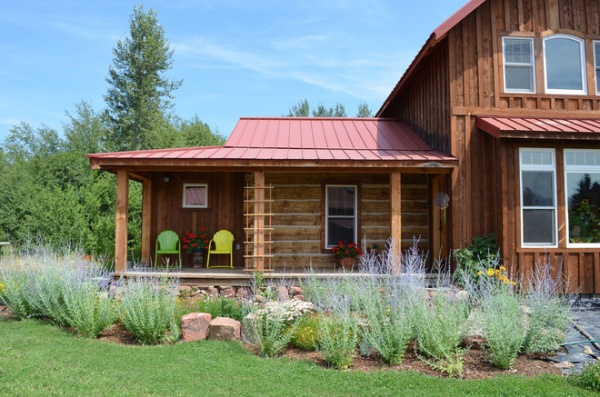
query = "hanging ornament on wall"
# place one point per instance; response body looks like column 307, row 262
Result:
column 441, row 202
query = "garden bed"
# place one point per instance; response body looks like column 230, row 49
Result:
column 476, row 364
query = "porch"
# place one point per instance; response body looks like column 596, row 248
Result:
column 238, row 277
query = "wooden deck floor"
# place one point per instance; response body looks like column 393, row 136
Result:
column 226, row 277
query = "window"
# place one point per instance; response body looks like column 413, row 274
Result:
column 582, row 179
column 597, row 64
column 195, row 195
column 341, row 220
column 518, row 64
column 538, row 197
column 564, row 65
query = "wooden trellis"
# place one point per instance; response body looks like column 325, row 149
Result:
column 258, row 228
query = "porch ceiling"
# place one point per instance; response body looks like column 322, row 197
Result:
column 294, row 142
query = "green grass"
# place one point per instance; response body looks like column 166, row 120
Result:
column 39, row 359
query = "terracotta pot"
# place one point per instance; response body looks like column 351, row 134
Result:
column 346, row 263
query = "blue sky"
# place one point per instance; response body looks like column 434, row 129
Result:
column 236, row 57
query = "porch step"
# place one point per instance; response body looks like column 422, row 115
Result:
column 241, row 278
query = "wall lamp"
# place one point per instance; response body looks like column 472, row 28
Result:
column 166, row 178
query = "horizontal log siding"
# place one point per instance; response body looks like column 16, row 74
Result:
column 297, row 214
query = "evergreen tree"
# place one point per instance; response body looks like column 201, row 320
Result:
column 139, row 95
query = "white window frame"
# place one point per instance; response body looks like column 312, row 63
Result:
column 597, row 66
column 581, row 43
column 185, row 186
column 530, row 65
column 538, row 167
column 577, row 168
column 327, row 216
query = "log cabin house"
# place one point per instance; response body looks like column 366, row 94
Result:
column 500, row 111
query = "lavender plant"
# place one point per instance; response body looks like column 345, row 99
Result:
column 503, row 327
column 338, row 338
column 270, row 332
column 441, row 324
column 149, row 307
column 547, row 310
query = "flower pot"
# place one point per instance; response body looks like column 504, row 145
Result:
column 198, row 258
column 346, row 263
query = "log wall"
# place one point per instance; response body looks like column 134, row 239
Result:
column 298, row 207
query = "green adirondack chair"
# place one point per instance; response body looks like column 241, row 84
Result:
column 223, row 245
column 167, row 243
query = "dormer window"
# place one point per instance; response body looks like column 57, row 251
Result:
column 564, row 64
column 518, row 64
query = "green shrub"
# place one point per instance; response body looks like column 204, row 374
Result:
column 269, row 332
column 547, row 310
column 217, row 307
column 88, row 311
column 440, row 327
column 306, row 335
column 149, row 309
column 338, row 338
column 481, row 255
column 503, row 327
column 388, row 327
column 590, row 377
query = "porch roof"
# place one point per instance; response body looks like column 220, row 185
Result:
column 295, row 140
column 547, row 128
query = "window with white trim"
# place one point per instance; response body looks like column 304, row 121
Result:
column 340, row 214
column 597, row 64
column 582, row 180
column 564, row 64
column 538, row 197
column 518, row 64
column 195, row 195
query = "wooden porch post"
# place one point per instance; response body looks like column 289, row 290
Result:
column 121, row 221
column 396, row 221
column 259, row 221
column 146, row 221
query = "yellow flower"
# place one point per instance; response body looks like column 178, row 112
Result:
column 479, row 273
column 502, row 268
column 2, row 288
column 497, row 273
column 490, row 272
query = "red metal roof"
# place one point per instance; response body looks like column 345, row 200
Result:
column 293, row 138
column 528, row 127
column 438, row 34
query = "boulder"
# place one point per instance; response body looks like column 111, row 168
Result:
column 283, row 294
column 242, row 293
column 295, row 291
column 212, row 292
column 195, row 326
column 228, row 292
column 224, row 328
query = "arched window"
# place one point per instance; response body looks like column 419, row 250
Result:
column 564, row 65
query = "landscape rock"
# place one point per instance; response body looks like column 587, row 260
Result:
column 283, row 294
column 195, row 326
column 260, row 299
column 587, row 350
column 249, row 326
column 212, row 292
column 242, row 293
column 224, row 328
column 295, row 291
column 228, row 292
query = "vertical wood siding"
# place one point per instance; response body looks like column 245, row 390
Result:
column 462, row 77
column 225, row 202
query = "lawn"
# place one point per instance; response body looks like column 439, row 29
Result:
column 39, row 359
